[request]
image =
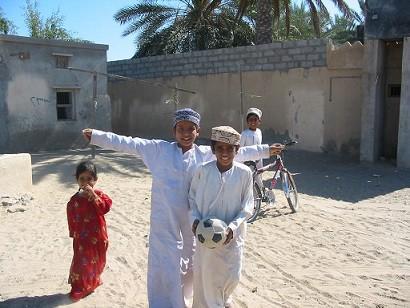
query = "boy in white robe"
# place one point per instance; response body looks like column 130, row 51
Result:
column 220, row 189
column 172, row 164
column 253, row 136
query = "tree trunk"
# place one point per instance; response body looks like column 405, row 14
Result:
column 264, row 22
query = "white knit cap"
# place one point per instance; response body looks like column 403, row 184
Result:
column 255, row 111
column 226, row 134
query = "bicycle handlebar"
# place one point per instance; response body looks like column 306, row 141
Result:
column 289, row 143
column 266, row 168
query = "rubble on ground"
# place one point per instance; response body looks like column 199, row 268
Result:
column 17, row 203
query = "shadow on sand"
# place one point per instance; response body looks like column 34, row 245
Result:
column 339, row 178
column 43, row 301
column 63, row 164
column 319, row 174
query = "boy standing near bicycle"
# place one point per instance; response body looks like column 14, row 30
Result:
column 253, row 136
column 221, row 189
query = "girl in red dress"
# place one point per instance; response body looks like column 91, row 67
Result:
column 86, row 224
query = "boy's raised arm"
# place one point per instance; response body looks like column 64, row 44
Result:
column 148, row 149
column 256, row 152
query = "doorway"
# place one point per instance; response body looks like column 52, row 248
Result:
column 392, row 70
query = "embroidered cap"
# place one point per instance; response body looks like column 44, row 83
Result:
column 187, row 114
column 225, row 134
column 254, row 111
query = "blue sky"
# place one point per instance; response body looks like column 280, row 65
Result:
column 93, row 20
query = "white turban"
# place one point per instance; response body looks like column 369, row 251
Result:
column 254, row 111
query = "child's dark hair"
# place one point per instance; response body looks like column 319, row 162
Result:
column 251, row 114
column 86, row 166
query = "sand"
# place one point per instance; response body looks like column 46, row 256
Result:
column 349, row 246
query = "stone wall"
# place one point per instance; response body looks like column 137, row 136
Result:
column 269, row 57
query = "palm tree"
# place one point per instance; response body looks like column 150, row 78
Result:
column 196, row 25
column 268, row 13
column 299, row 24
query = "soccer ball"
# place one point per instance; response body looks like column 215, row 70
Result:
column 211, row 232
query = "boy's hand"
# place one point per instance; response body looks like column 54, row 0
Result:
column 194, row 226
column 275, row 149
column 87, row 133
column 229, row 236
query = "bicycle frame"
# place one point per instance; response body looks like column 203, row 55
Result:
column 280, row 171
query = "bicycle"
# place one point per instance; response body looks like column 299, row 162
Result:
column 280, row 171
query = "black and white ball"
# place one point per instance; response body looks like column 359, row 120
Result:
column 211, row 232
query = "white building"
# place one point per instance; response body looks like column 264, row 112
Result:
column 44, row 103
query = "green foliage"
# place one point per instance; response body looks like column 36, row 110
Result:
column 310, row 19
column 187, row 25
column 341, row 30
column 194, row 25
column 6, row 26
column 50, row 28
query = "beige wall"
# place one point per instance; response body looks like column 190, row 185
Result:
column 318, row 106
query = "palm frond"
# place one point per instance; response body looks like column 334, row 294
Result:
column 137, row 11
column 315, row 17
column 243, row 6
column 322, row 7
column 343, row 7
column 212, row 6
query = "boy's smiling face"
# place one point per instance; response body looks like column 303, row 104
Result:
column 253, row 122
column 225, row 154
column 185, row 134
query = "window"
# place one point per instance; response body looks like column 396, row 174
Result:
column 394, row 90
column 62, row 61
column 65, row 105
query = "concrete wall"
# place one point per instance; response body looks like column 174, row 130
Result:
column 343, row 108
column 291, row 82
column 387, row 19
column 373, row 98
column 28, row 83
column 16, row 176
column 403, row 150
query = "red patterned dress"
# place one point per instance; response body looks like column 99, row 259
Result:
column 87, row 227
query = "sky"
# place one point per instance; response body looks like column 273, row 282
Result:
column 93, row 20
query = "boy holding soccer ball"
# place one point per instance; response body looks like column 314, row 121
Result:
column 220, row 189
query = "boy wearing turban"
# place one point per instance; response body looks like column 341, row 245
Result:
column 220, row 189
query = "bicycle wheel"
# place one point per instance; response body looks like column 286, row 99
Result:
column 257, row 200
column 289, row 188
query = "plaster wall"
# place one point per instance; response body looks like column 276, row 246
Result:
column 28, row 88
column 403, row 150
column 318, row 106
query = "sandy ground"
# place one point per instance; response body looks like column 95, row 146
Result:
column 349, row 246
